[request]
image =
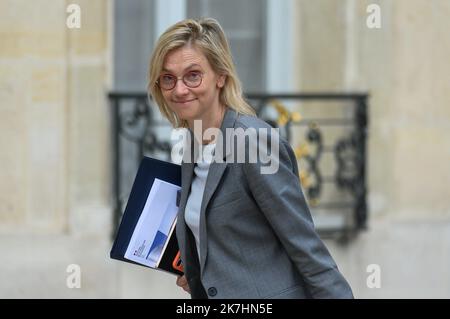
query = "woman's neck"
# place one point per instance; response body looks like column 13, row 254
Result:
column 214, row 121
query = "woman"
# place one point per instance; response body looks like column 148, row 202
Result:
column 241, row 233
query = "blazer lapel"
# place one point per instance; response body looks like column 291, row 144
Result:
column 215, row 174
column 187, row 174
column 187, row 171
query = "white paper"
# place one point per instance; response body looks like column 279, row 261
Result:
column 154, row 224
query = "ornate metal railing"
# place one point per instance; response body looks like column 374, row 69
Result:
column 332, row 138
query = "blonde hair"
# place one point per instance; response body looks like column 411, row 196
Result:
column 207, row 35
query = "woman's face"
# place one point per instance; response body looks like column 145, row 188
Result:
column 188, row 103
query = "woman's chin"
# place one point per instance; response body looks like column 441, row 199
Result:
column 186, row 116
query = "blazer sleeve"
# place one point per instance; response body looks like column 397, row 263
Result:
column 280, row 198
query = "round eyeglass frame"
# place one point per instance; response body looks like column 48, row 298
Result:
column 180, row 78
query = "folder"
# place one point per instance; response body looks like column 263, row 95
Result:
column 146, row 235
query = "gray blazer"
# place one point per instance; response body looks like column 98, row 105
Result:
column 256, row 232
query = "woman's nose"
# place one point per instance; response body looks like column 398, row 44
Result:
column 180, row 88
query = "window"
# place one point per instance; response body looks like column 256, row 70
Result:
column 244, row 24
column 133, row 41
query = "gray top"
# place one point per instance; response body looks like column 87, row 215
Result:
column 194, row 201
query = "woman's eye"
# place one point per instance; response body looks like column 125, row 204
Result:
column 193, row 76
column 166, row 78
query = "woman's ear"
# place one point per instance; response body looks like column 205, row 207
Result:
column 221, row 81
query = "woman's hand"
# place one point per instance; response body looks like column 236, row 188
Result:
column 182, row 282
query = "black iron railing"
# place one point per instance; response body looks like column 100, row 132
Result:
column 324, row 142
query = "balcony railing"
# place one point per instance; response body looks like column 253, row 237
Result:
column 328, row 133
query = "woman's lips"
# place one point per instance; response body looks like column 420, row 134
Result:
column 183, row 102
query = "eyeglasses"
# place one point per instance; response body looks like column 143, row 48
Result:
column 191, row 79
